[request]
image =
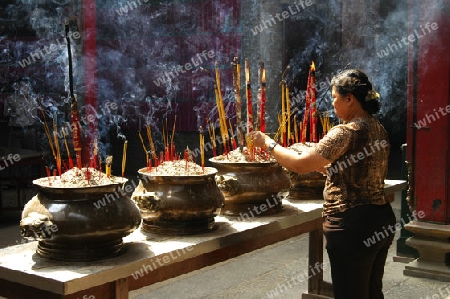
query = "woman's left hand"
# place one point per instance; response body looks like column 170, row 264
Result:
column 259, row 138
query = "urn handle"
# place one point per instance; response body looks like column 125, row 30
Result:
column 148, row 201
column 229, row 185
column 37, row 226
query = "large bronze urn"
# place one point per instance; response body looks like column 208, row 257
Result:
column 251, row 189
column 178, row 204
column 309, row 185
column 79, row 223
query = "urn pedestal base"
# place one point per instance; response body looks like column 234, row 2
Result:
column 266, row 205
column 432, row 242
column 80, row 252
column 177, row 228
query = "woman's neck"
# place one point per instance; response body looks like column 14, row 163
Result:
column 358, row 113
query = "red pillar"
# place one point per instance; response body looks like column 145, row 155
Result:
column 90, row 76
column 428, row 98
column 428, row 137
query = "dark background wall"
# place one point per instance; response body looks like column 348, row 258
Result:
column 140, row 42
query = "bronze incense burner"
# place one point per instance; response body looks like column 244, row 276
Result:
column 251, row 188
column 178, row 204
column 69, row 225
column 306, row 185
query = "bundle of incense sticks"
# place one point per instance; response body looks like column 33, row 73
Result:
column 58, row 152
column 94, row 159
column 295, row 129
column 233, row 137
column 69, row 156
column 325, row 122
column 284, row 112
column 165, row 138
column 288, row 116
column 152, row 145
column 212, row 135
column 282, row 127
column 202, row 148
column 108, row 164
column 76, row 134
column 221, row 110
column 237, row 97
column 284, row 117
column 145, row 149
column 172, row 144
column 47, row 130
column 124, row 157
column 250, row 147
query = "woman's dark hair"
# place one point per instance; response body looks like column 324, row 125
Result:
column 357, row 83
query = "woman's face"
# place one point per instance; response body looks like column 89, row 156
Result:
column 340, row 104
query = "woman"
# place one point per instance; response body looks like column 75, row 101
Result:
column 358, row 218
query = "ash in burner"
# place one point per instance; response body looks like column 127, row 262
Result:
column 75, row 177
column 178, row 168
column 245, row 156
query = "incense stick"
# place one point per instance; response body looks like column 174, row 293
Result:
column 46, row 129
column 124, row 157
column 173, row 129
column 143, row 146
column 69, row 157
column 150, row 140
column 221, row 109
column 58, row 153
column 108, row 163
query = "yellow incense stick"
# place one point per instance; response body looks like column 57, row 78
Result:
column 46, row 129
column 142, row 141
column 288, row 113
column 58, row 152
column 295, row 129
column 65, row 143
column 108, row 163
column 173, row 129
column 144, row 147
column 150, row 140
column 124, row 157
column 212, row 134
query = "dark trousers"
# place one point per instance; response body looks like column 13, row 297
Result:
column 357, row 242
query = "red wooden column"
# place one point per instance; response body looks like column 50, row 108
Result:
column 428, row 138
column 428, row 119
column 90, row 76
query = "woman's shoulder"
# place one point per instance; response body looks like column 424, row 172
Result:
column 364, row 124
column 345, row 129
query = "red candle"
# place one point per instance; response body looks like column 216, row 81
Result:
column 312, row 92
column 262, row 115
column 306, row 114
column 249, row 98
column 88, row 175
column 48, row 175
column 186, row 158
